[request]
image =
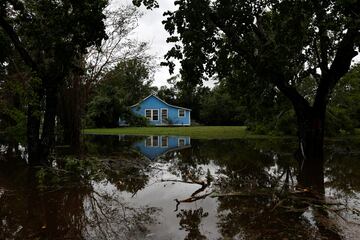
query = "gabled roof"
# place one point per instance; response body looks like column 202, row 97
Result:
column 152, row 95
column 163, row 153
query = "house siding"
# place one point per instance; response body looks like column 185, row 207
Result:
column 152, row 102
column 153, row 152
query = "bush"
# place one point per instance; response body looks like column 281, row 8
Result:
column 338, row 122
column 137, row 121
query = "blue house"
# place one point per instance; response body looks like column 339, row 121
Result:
column 160, row 113
column 153, row 147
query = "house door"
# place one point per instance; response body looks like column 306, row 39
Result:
column 164, row 116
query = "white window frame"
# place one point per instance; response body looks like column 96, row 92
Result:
column 167, row 113
column 167, row 142
column 179, row 113
column 152, row 114
column 146, row 141
column 152, row 141
column 181, row 139
column 158, row 115
column 157, row 142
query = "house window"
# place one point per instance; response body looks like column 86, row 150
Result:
column 164, row 141
column 148, row 142
column 148, row 114
column 164, row 114
column 152, row 114
column 181, row 113
column 155, row 115
column 152, row 141
column 181, row 142
column 155, row 140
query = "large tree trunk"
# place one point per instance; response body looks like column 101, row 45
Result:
column 48, row 133
column 70, row 113
column 33, row 131
column 311, row 123
column 39, row 148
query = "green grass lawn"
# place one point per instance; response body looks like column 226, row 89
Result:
column 203, row 132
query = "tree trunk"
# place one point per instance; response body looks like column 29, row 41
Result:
column 311, row 122
column 33, row 132
column 48, row 133
column 69, row 112
column 39, row 149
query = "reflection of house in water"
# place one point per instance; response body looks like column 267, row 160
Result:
column 153, row 147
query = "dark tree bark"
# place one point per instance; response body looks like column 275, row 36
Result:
column 311, row 123
column 69, row 112
column 50, row 57
column 33, row 132
column 48, row 131
column 39, row 147
column 311, row 119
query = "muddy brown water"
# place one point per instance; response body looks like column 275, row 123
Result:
column 180, row 188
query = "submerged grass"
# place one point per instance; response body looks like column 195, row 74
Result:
column 198, row 132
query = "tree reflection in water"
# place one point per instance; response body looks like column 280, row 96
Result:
column 110, row 217
column 83, row 212
column 190, row 221
column 257, row 191
column 246, row 189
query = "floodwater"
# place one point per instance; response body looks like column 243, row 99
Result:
column 180, row 188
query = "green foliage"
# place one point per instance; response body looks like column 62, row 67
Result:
column 133, row 77
column 343, row 112
column 12, row 110
column 49, row 37
column 347, row 94
column 182, row 93
column 70, row 170
column 135, row 120
column 219, row 108
column 65, row 27
column 124, row 85
column 274, row 50
column 286, row 123
column 338, row 122
column 105, row 107
column 280, row 124
column 5, row 49
column 168, row 94
column 148, row 3
column 14, row 129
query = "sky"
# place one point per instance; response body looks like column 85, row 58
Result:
column 150, row 29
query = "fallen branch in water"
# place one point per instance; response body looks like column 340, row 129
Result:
column 190, row 199
column 242, row 194
column 278, row 204
column 193, row 196
column 181, row 181
column 303, row 199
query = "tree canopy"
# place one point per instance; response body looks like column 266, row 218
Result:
column 50, row 37
column 282, row 42
column 269, row 44
column 124, row 85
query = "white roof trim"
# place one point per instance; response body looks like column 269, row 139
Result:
column 161, row 101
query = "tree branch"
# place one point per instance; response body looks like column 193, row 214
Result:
column 9, row 30
column 290, row 92
column 339, row 67
column 276, row 78
column 344, row 54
